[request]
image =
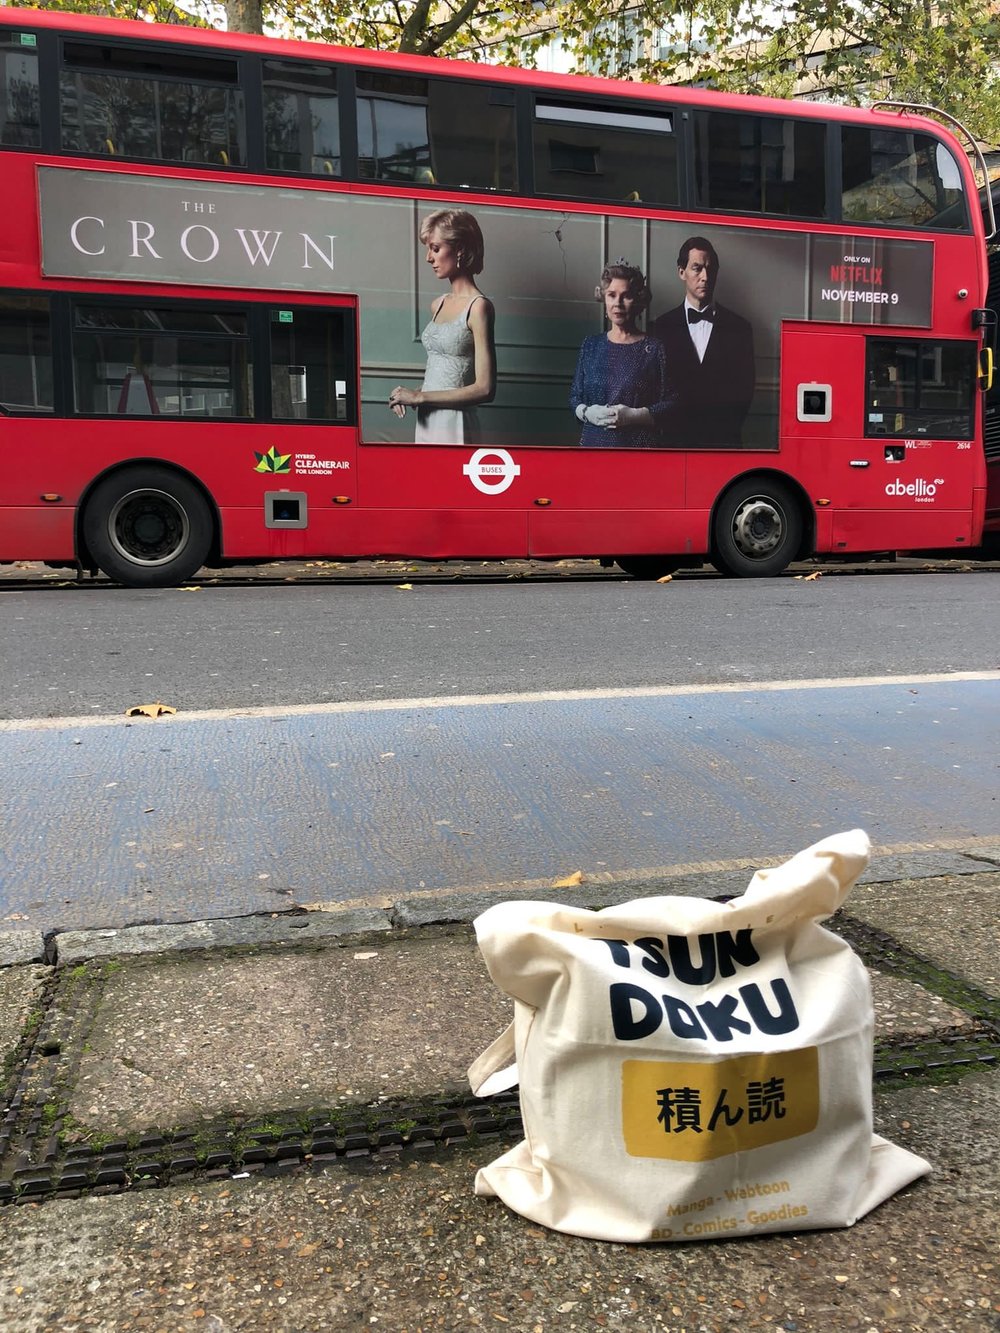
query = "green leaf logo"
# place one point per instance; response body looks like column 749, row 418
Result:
column 272, row 461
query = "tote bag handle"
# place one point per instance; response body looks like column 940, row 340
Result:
column 494, row 1071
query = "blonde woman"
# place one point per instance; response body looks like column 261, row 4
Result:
column 461, row 355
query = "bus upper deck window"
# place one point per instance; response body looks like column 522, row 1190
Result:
column 618, row 153
column 169, row 106
column 760, row 164
column 301, row 117
column 902, row 178
column 19, row 121
column 448, row 132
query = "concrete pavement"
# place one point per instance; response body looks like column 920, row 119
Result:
column 264, row 1123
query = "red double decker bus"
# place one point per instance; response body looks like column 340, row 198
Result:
column 266, row 299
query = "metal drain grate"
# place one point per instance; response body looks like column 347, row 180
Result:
column 39, row 1160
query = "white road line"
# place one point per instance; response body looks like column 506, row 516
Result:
column 492, row 700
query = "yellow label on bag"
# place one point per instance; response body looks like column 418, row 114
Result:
column 692, row 1112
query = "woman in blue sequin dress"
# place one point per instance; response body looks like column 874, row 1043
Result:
column 458, row 340
column 620, row 394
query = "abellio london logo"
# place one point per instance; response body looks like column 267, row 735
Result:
column 272, row 461
column 921, row 489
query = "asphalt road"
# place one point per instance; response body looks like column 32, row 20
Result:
column 98, row 651
column 609, row 727
column 218, row 816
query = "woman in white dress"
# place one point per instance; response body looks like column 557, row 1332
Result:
column 461, row 356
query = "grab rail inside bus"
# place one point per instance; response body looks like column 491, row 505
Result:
column 924, row 109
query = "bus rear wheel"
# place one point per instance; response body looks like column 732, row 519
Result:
column 757, row 529
column 147, row 527
column 646, row 566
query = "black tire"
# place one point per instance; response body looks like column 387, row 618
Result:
column 757, row 529
column 646, row 566
column 147, row 527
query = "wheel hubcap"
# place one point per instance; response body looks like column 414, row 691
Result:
column 148, row 527
column 758, row 527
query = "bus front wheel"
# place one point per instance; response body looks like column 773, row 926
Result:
column 757, row 529
column 147, row 527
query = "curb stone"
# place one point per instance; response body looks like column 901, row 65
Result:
column 21, row 946
column 78, row 946
column 461, row 907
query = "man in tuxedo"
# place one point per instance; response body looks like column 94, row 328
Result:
column 709, row 352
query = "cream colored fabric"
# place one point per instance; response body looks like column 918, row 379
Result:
column 690, row 1069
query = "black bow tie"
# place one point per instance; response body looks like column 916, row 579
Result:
column 696, row 316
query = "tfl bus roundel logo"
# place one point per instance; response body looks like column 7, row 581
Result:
column 491, row 470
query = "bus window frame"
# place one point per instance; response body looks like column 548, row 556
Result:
column 255, row 63
column 833, row 200
column 642, row 109
column 121, row 301
column 519, row 191
column 62, row 314
column 39, row 413
column 176, row 49
column 920, row 345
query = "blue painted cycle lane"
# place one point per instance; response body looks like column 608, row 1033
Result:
column 221, row 815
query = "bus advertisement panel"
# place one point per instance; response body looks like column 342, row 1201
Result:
column 540, row 270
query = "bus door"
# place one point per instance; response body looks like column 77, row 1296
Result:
column 884, row 427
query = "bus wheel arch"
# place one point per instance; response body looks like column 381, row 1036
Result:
column 759, row 524
column 147, row 524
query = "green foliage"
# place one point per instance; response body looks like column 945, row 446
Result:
column 906, row 50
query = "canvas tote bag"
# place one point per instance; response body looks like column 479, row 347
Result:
column 690, row 1069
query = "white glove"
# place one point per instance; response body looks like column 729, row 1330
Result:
column 597, row 414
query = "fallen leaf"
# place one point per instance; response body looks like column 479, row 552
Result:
column 150, row 710
column 810, row 578
column 359, row 957
column 569, row 881
column 192, row 587
column 405, row 587
column 666, row 578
